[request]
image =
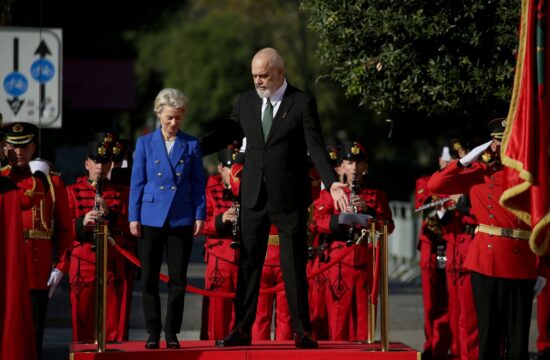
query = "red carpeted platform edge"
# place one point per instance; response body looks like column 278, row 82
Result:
column 260, row 350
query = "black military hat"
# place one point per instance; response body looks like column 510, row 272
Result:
column 106, row 137
column 334, row 155
column 120, row 149
column 230, row 155
column 101, row 148
column 353, row 151
column 458, row 144
column 496, row 127
column 20, row 133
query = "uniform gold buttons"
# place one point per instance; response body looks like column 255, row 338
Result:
column 159, row 174
column 162, row 188
column 173, row 187
column 181, row 161
column 157, row 161
column 178, row 174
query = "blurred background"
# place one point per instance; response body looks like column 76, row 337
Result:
column 401, row 77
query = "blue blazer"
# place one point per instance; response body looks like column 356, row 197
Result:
column 167, row 189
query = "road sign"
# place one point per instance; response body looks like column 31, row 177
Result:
column 30, row 75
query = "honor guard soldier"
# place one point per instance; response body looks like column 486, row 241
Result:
column 46, row 223
column 505, row 273
column 92, row 200
column 121, row 169
column 318, row 256
column 221, row 249
column 15, row 313
column 350, row 281
column 461, row 301
column 433, row 262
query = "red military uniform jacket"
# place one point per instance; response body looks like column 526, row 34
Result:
column 219, row 235
column 326, row 219
column 45, row 215
column 490, row 255
column 81, row 196
column 15, row 303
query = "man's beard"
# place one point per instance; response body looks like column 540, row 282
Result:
column 264, row 94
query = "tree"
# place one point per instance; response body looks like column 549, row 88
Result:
column 205, row 49
column 435, row 57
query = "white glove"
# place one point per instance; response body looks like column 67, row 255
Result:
column 475, row 153
column 539, row 285
column 54, row 280
column 441, row 212
column 39, row 165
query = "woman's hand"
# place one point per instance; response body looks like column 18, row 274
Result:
column 197, row 227
column 135, row 228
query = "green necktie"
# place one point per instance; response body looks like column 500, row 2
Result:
column 267, row 118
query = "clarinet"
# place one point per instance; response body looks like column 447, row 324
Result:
column 354, row 187
column 97, row 207
column 236, row 242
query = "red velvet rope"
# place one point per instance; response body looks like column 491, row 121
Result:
column 130, row 257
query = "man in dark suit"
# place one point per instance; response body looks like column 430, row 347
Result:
column 281, row 126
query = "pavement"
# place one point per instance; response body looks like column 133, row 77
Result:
column 405, row 300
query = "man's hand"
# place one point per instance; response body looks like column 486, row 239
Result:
column 135, row 228
column 341, row 201
column 54, row 280
column 539, row 285
column 197, row 227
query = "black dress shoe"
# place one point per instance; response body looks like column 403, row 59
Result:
column 303, row 340
column 543, row 355
column 236, row 337
column 153, row 342
column 172, row 341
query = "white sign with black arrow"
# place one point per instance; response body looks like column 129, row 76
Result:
column 30, row 75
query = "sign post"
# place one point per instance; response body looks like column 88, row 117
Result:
column 31, row 75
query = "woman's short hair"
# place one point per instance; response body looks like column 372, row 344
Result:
column 171, row 97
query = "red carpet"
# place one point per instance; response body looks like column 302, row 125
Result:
column 260, row 350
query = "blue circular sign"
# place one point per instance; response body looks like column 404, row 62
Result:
column 42, row 70
column 16, row 84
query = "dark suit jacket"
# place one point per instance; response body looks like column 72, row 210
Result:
column 282, row 160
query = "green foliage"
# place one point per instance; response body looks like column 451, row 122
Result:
column 205, row 49
column 419, row 56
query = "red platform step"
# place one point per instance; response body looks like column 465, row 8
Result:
column 260, row 350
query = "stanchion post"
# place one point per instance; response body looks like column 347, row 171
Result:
column 102, row 239
column 384, row 306
column 371, row 331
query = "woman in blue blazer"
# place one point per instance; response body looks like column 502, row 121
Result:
column 167, row 208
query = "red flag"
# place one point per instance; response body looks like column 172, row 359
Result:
column 525, row 146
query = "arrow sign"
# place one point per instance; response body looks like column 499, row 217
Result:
column 31, row 69
column 15, row 83
column 42, row 70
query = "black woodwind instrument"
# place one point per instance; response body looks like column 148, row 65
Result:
column 235, row 232
column 354, row 187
